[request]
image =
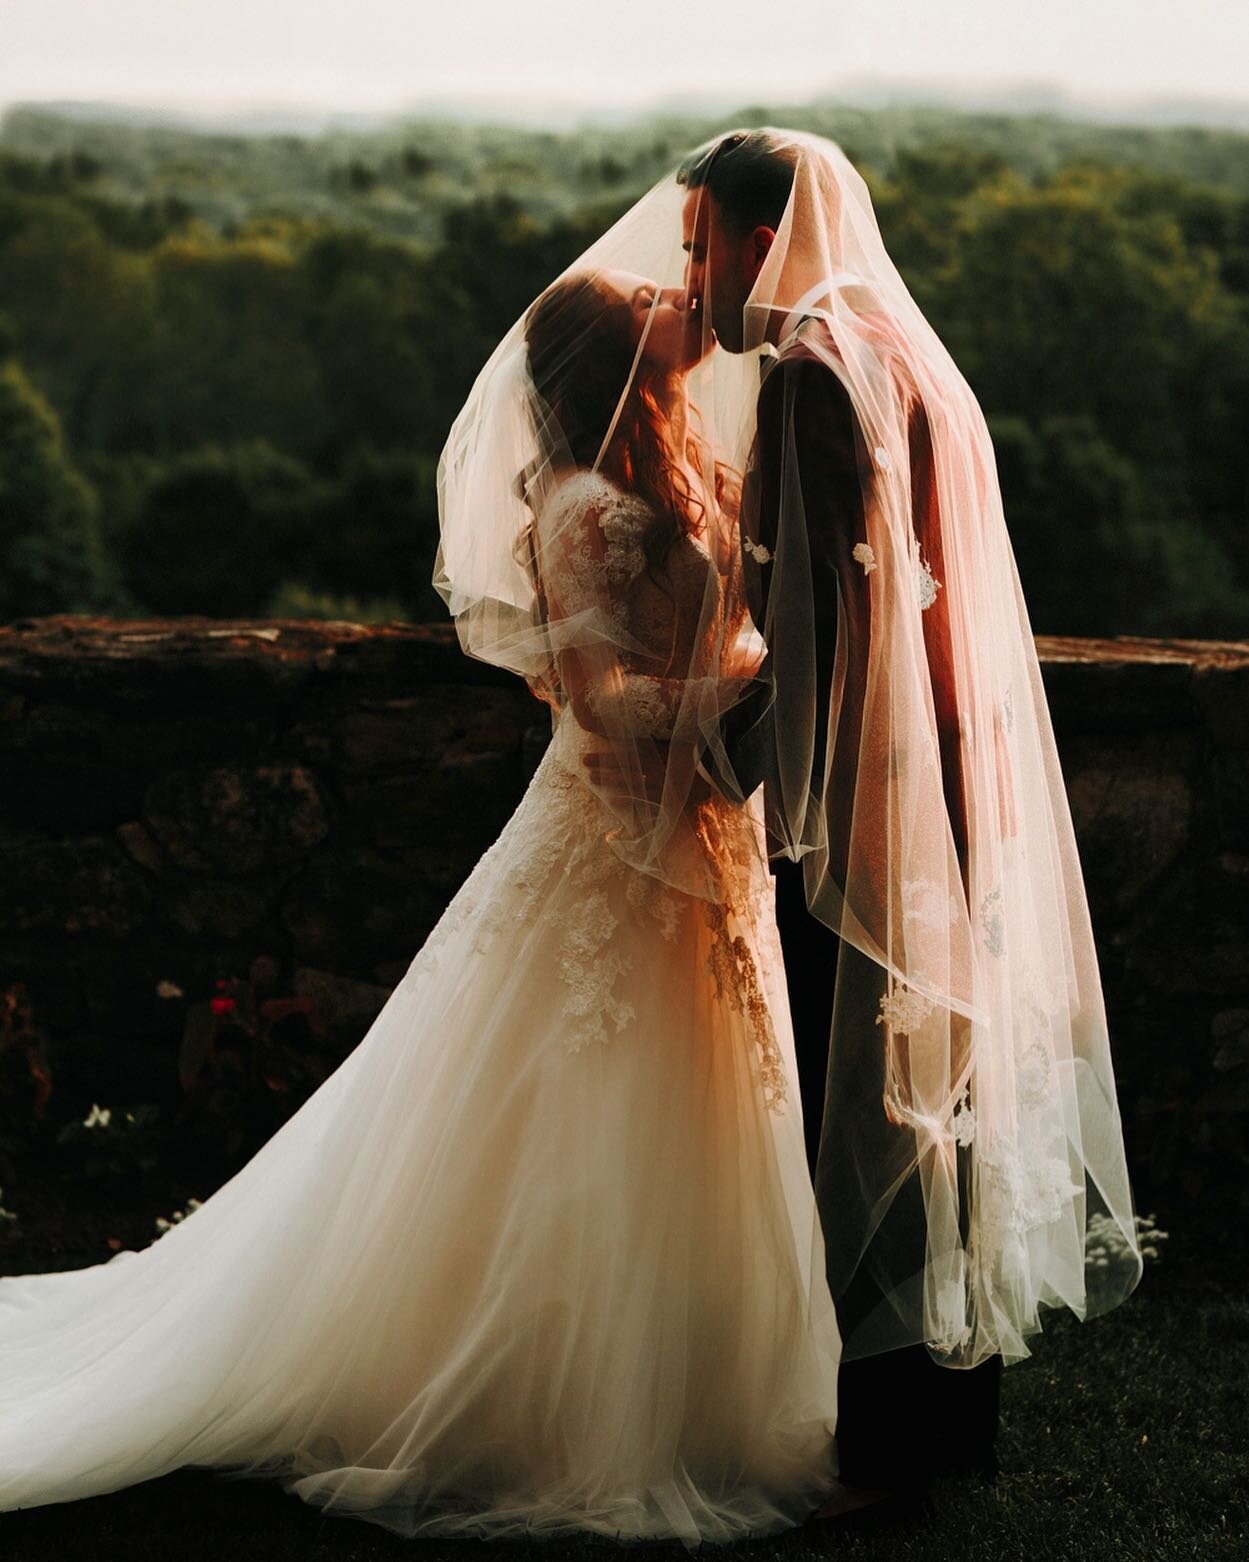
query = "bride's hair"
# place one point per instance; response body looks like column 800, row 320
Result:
column 581, row 347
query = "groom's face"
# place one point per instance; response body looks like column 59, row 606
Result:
column 721, row 267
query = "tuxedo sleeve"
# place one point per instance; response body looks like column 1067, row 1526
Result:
column 938, row 636
column 807, row 435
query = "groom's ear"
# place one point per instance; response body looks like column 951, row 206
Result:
column 761, row 240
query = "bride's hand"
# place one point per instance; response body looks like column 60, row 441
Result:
column 742, row 662
column 646, row 773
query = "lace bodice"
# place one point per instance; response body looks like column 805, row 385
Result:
column 635, row 648
column 656, row 630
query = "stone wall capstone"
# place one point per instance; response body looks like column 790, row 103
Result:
column 180, row 795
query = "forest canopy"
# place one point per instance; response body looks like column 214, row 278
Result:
column 228, row 363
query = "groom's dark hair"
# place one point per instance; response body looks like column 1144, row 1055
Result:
column 749, row 172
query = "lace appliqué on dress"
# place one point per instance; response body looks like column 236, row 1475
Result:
column 903, row 1010
column 586, row 577
column 964, row 1120
column 731, row 848
column 926, row 906
column 623, row 559
column 737, row 979
column 589, row 967
column 639, row 704
column 993, row 923
column 1023, row 1187
column 1025, row 1177
column 647, row 893
column 493, row 898
column 862, row 554
column 926, row 584
column 591, row 958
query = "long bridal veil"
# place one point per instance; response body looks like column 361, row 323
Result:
column 972, row 1162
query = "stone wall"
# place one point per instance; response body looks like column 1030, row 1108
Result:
column 180, row 795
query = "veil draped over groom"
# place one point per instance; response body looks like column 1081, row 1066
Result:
column 971, row 1167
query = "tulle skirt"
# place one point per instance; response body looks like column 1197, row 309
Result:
column 540, row 1256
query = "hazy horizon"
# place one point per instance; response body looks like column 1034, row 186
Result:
column 224, row 57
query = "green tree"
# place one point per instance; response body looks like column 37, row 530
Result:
column 51, row 559
column 375, row 533
column 230, row 360
column 1096, row 555
column 1077, row 307
column 384, row 332
column 83, row 308
column 208, row 534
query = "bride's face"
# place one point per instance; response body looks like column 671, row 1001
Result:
column 674, row 338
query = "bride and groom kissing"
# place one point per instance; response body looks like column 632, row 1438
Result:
column 753, row 1095
column 808, row 442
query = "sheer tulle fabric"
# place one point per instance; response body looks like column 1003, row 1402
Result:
column 972, row 1143
column 504, row 543
column 537, row 1258
column 972, row 1169
column 542, row 1255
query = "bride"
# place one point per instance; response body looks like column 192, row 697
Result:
column 541, row 1256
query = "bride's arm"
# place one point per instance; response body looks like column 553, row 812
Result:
column 591, row 552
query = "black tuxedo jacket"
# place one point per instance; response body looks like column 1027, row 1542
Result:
column 805, row 412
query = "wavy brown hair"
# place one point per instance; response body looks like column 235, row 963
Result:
column 580, row 341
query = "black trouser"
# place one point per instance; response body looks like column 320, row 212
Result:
column 901, row 1417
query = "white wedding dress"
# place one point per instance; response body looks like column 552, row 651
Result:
column 539, row 1257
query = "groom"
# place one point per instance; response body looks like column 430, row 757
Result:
column 902, row 1418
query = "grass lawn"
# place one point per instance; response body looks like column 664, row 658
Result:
column 1122, row 1440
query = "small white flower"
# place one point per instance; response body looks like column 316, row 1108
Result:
column 167, row 989
column 926, row 584
column 1106, row 1243
column 97, row 1117
column 757, row 551
column 862, row 554
column 964, row 1121
column 883, row 459
column 903, row 1010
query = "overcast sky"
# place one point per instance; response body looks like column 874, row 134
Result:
column 379, row 54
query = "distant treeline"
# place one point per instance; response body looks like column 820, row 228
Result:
column 227, row 365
